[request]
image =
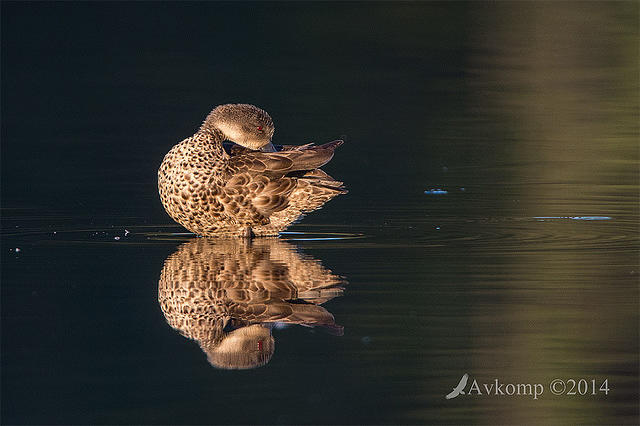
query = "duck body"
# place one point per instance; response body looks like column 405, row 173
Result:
column 242, row 192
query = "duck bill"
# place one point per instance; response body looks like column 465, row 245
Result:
column 268, row 148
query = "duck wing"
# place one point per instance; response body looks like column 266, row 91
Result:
column 268, row 179
column 276, row 164
column 234, row 149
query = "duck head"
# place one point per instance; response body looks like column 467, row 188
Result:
column 244, row 124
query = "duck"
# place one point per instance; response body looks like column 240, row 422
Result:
column 230, row 180
column 227, row 294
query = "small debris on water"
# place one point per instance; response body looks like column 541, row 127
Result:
column 436, row 191
column 366, row 340
column 17, row 249
column 463, row 189
column 590, row 218
column 126, row 232
column 116, row 238
column 542, row 218
column 437, row 228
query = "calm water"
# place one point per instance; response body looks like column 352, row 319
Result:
column 524, row 271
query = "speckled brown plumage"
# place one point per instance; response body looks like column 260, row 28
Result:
column 243, row 192
column 222, row 293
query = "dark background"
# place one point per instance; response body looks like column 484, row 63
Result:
column 96, row 92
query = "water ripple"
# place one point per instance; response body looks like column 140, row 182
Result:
column 148, row 234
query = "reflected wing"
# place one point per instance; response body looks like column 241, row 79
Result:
column 207, row 283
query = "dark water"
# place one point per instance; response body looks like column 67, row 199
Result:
column 525, row 270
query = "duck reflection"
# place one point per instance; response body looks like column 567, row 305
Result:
column 228, row 294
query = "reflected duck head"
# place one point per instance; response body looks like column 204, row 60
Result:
column 242, row 349
column 243, row 124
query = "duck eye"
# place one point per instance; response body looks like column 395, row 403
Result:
column 259, row 128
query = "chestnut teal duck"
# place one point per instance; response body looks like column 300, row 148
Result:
column 247, row 188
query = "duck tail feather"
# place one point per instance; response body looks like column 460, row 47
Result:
column 314, row 157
